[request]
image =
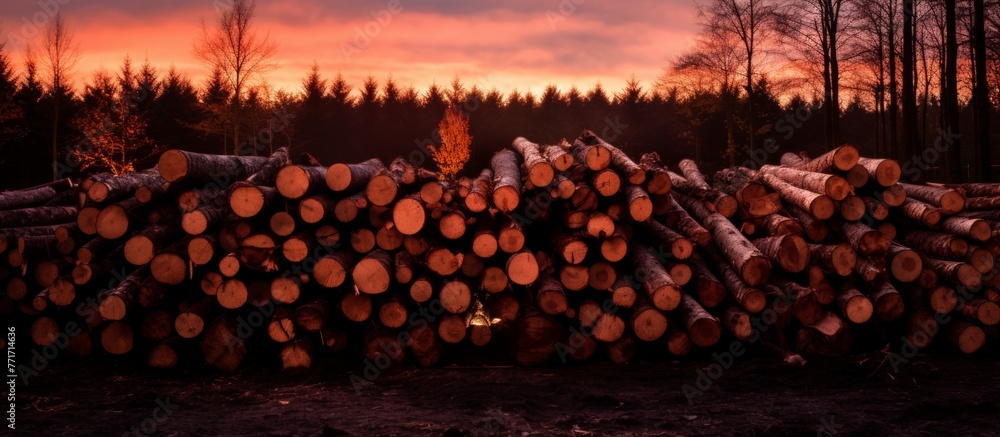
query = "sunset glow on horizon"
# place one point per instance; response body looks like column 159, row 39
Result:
column 523, row 44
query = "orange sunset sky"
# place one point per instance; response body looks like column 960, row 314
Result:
column 522, row 44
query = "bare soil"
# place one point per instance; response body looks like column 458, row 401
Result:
column 861, row 395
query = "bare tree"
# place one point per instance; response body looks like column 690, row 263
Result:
column 234, row 47
column 819, row 26
column 981, row 97
column 711, row 68
column 754, row 25
column 871, row 44
column 60, row 53
column 949, row 97
column 909, row 80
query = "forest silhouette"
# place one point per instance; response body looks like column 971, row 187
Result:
column 719, row 103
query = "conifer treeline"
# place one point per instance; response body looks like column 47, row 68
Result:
column 335, row 120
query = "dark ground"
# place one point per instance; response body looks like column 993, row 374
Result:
column 931, row 395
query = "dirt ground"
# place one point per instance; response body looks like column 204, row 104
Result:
column 861, row 395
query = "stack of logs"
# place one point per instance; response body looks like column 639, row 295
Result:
column 554, row 252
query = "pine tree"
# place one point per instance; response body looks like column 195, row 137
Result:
column 12, row 123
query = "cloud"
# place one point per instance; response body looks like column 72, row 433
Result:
column 524, row 44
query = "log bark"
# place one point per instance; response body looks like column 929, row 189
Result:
column 819, row 205
column 37, row 216
column 141, row 248
column 178, row 165
column 751, row 265
column 885, row 172
column 956, row 272
column 103, row 189
column 647, row 322
column 506, row 181
column 746, row 294
column 972, row 190
column 668, row 240
column 854, row 305
column 921, row 212
column 33, row 196
column 634, row 173
column 663, row 292
column 295, row 181
column 790, row 251
column 539, row 170
column 709, row 290
column 481, row 192
column 975, row 229
column 558, row 158
column 331, row 270
column 591, row 151
column 703, row 329
column 815, row 229
column 936, row 244
column 550, row 297
column 837, row 258
column 835, row 187
column 842, row 158
column 865, row 240
column 657, row 179
column 352, row 178
column 950, row 201
column 893, row 195
column 777, row 224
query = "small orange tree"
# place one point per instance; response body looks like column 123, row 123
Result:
column 453, row 153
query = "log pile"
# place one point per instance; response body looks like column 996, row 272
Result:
column 563, row 251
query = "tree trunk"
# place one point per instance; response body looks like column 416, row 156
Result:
column 351, row 178
column 540, row 172
column 506, row 181
column 663, row 292
column 819, row 205
column 835, row 187
column 981, row 97
column 949, row 200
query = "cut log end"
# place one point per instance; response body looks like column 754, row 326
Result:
column 381, row 190
column 822, row 207
column 506, row 199
column 173, row 165
column 246, row 201
column 756, row 270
